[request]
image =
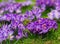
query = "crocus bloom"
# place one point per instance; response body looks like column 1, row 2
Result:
column 29, row 15
column 42, row 25
column 5, row 32
column 37, row 11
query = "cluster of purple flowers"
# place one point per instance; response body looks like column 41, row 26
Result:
column 55, row 3
column 48, row 2
column 12, row 6
column 7, row 7
column 16, row 20
column 42, row 26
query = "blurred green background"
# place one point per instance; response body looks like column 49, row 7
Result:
column 52, row 37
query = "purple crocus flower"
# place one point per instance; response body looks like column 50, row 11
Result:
column 29, row 15
column 42, row 25
column 21, row 32
column 37, row 11
column 7, row 17
column 14, row 24
column 5, row 32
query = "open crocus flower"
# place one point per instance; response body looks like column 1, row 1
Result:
column 21, row 32
column 37, row 12
column 42, row 26
column 29, row 15
column 54, row 14
column 5, row 32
